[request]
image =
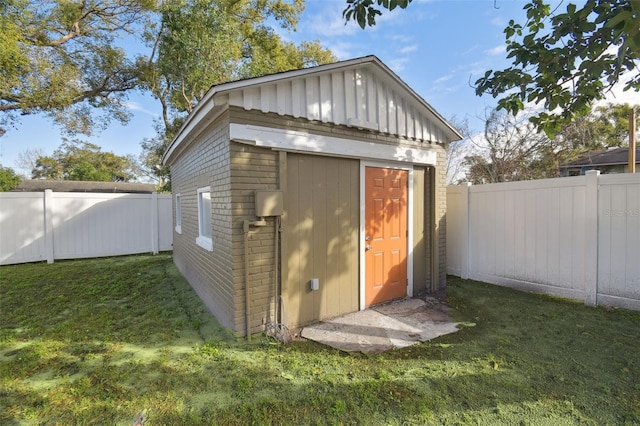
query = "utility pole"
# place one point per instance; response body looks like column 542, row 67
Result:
column 632, row 140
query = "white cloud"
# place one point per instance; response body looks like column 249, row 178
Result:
column 344, row 50
column 617, row 95
column 472, row 48
column 499, row 21
column 443, row 79
column 409, row 49
column 398, row 64
column 389, row 16
column 401, row 38
column 498, row 50
column 330, row 23
column 137, row 107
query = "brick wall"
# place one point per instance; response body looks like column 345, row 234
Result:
column 440, row 213
column 206, row 163
column 253, row 169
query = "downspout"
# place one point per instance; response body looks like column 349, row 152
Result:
column 275, row 269
column 246, row 227
column 632, row 140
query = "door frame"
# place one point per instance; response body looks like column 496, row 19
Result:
column 385, row 165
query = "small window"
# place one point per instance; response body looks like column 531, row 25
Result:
column 178, row 214
column 204, row 239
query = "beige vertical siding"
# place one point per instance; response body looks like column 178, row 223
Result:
column 421, row 232
column 206, row 163
column 321, row 238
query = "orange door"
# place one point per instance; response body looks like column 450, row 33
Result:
column 385, row 234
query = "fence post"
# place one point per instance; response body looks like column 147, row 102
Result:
column 48, row 224
column 464, row 231
column 155, row 235
column 591, row 238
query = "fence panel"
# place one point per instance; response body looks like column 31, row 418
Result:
column 96, row 225
column 525, row 234
column 575, row 237
column 457, row 230
column 619, row 238
column 82, row 225
column 165, row 222
column 22, row 228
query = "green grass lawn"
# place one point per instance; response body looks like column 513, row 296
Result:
column 98, row 341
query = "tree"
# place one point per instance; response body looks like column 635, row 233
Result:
column 612, row 124
column 570, row 65
column 150, row 159
column 77, row 160
column 508, row 150
column 607, row 126
column 59, row 58
column 513, row 149
column 200, row 43
column 561, row 61
column 28, row 159
column 457, row 151
column 8, row 179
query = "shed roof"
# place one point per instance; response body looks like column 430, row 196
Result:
column 610, row 157
column 362, row 93
column 38, row 185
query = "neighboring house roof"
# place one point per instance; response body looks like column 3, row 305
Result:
column 611, row 157
column 37, row 185
column 362, row 93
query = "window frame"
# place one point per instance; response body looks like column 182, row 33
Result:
column 205, row 241
column 178, row 206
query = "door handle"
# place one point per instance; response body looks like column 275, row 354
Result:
column 368, row 247
column 367, row 238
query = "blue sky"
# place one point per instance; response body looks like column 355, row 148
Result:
column 438, row 47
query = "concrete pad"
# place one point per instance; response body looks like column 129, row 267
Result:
column 393, row 325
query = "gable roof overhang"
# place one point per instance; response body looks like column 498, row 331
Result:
column 362, row 93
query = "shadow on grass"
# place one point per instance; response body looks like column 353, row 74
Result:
column 128, row 334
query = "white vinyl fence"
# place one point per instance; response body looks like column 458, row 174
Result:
column 576, row 237
column 39, row 226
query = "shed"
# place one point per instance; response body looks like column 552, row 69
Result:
column 308, row 194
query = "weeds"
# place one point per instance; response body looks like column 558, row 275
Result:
column 99, row 341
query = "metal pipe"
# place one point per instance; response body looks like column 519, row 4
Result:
column 632, row 140
column 275, row 271
column 246, row 227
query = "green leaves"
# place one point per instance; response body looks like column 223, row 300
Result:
column 8, row 179
column 83, row 161
column 58, row 58
column 364, row 12
column 202, row 43
column 569, row 65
